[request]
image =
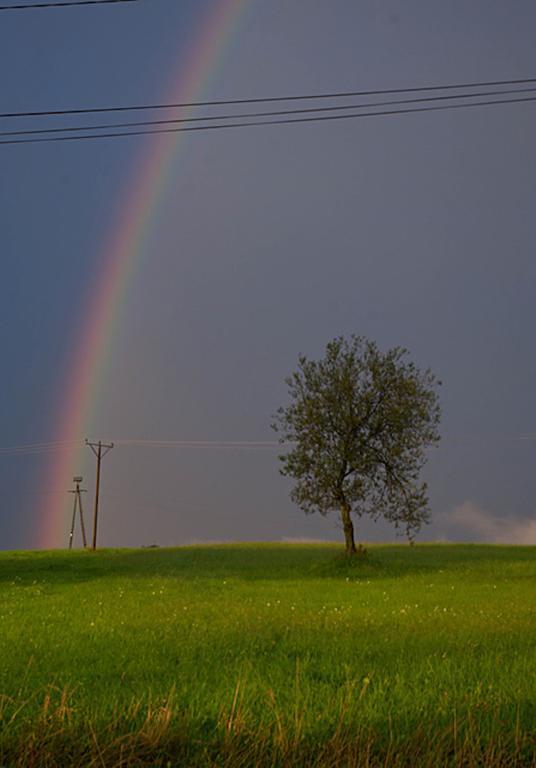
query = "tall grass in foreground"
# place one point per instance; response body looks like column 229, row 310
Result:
column 164, row 737
column 269, row 655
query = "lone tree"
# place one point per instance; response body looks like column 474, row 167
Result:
column 358, row 424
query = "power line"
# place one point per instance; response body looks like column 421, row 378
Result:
column 268, row 99
column 39, row 447
column 241, row 444
column 249, row 115
column 238, row 444
column 65, row 444
column 66, row 4
column 256, row 123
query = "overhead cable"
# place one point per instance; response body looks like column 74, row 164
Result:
column 250, row 115
column 66, row 4
column 256, row 123
column 38, row 448
column 268, row 99
column 59, row 445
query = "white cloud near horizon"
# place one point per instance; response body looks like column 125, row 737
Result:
column 471, row 519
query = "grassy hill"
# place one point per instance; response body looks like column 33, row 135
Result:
column 246, row 655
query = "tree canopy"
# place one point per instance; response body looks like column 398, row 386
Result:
column 357, row 427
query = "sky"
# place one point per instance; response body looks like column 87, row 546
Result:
column 414, row 230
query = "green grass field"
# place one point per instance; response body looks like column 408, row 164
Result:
column 276, row 655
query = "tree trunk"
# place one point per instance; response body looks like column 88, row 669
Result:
column 348, row 527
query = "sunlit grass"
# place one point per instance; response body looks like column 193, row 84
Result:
column 269, row 655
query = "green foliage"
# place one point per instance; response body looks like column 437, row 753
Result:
column 359, row 422
column 268, row 655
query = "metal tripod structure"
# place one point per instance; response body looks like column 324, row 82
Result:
column 77, row 505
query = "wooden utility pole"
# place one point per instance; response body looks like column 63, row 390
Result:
column 100, row 450
column 77, row 503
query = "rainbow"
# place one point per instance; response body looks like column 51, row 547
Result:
column 123, row 255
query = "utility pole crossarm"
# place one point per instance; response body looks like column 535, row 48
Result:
column 97, row 447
